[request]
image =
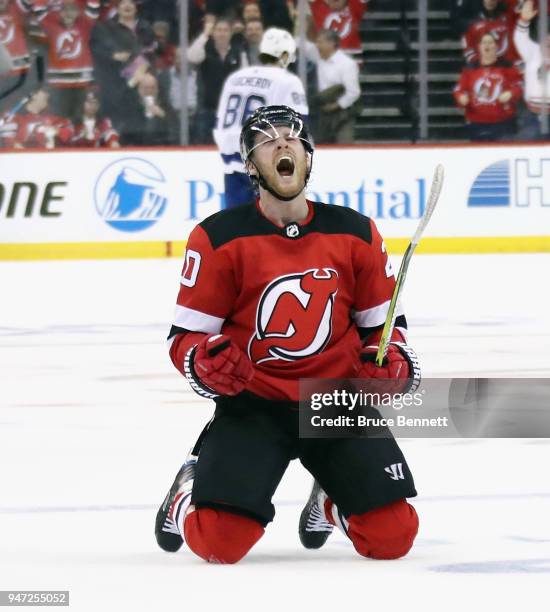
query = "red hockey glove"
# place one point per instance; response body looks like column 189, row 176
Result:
column 400, row 369
column 217, row 366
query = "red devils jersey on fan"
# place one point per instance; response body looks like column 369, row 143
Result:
column 345, row 22
column 53, row 5
column 513, row 7
column 100, row 134
column 12, row 35
column 296, row 300
column 484, row 85
column 502, row 28
column 69, row 58
column 34, row 130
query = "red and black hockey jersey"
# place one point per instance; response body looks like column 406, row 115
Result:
column 345, row 22
column 501, row 27
column 484, row 85
column 39, row 130
column 70, row 63
column 297, row 299
column 12, row 35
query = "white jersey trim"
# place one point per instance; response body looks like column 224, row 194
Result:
column 233, row 166
column 373, row 317
column 196, row 321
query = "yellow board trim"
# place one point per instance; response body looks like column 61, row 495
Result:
column 160, row 249
column 92, row 250
column 473, row 245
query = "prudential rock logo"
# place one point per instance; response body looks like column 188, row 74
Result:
column 514, row 182
column 130, row 194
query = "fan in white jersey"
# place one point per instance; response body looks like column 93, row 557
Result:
column 246, row 90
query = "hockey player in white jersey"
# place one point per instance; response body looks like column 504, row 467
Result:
column 246, row 90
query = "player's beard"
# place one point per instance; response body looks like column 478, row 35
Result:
column 286, row 186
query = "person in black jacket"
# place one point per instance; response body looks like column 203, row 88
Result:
column 147, row 122
column 121, row 48
column 216, row 57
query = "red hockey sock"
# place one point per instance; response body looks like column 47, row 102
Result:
column 328, row 511
column 219, row 536
column 384, row 533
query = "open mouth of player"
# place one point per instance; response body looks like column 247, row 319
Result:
column 285, row 166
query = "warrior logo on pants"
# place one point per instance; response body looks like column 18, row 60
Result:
column 294, row 317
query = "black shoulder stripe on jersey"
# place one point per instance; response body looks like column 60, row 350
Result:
column 175, row 330
column 334, row 219
column 239, row 222
column 247, row 221
column 365, row 332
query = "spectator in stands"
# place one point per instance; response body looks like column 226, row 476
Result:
column 165, row 51
column 123, row 50
column 337, row 102
column 488, row 92
column 195, row 16
column 36, row 126
column 342, row 16
column 70, row 67
column 170, row 95
column 251, row 10
column 537, row 74
column 92, row 130
column 216, row 58
column 147, row 122
column 12, row 35
column 147, row 9
column 496, row 19
column 250, row 42
column 276, row 14
column 229, row 9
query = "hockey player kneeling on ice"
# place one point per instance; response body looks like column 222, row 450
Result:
column 270, row 293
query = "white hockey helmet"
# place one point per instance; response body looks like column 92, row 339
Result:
column 277, row 42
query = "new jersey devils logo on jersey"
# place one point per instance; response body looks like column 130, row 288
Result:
column 69, row 45
column 488, row 88
column 294, row 317
column 340, row 22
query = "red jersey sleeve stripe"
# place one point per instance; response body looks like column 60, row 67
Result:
column 403, row 331
column 197, row 321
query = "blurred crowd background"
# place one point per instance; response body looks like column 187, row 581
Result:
column 107, row 73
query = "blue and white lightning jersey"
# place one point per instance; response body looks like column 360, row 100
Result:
column 243, row 92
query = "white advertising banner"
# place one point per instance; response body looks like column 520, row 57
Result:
column 153, row 195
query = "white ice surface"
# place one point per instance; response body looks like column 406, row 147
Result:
column 94, row 422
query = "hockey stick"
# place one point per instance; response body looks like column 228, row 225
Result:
column 433, row 197
column 8, row 115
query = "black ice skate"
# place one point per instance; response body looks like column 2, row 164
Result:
column 177, row 500
column 314, row 529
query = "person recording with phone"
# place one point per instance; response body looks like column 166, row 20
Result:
column 147, row 122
